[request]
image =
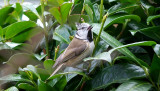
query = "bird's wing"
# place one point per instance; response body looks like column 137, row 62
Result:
column 75, row 48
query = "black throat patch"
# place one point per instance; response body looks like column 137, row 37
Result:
column 89, row 36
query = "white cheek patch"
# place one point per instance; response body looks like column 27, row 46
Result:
column 82, row 34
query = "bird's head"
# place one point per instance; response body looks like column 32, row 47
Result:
column 84, row 31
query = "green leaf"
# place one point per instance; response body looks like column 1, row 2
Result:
column 61, row 34
column 18, row 12
column 40, row 57
column 89, row 11
column 149, row 9
column 77, row 8
column 115, row 43
column 120, row 7
column 64, row 73
column 42, row 86
column 155, row 69
column 136, row 25
column 102, row 56
column 56, row 3
column 15, row 28
column 90, row 4
column 33, row 70
column 61, row 84
column 48, row 64
column 119, row 18
column 30, row 6
column 72, row 19
column 4, row 13
column 27, row 87
column 96, row 9
column 131, row 1
column 42, row 73
column 107, row 55
column 150, row 18
column 13, row 88
column 134, row 85
column 61, row 13
column 157, row 49
column 142, row 43
column 32, row 16
column 13, row 77
column 117, row 73
column 152, row 32
column 9, row 45
column 21, row 60
column 27, row 35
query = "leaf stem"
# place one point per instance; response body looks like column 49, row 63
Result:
column 152, row 23
column 123, row 28
column 101, row 10
column 55, row 23
column 98, row 38
column 81, row 82
column 149, row 78
column 45, row 28
column 56, row 52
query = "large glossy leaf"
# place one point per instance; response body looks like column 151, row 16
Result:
column 148, row 8
column 18, row 12
column 9, row 45
column 72, row 72
column 27, row 87
column 96, row 9
column 61, row 13
column 13, row 77
column 89, row 11
column 61, row 84
column 150, row 18
column 42, row 86
column 61, row 34
column 157, row 50
column 125, row 1
column 107, row 55
column 33, row 70
column 40, row 57
column 27, row 35
column 31, row 7
column 32, row 16
column 4, row 13
column 155, row 69
column 77, row 8
column 114, row 74
column 134, row 85
column 48, row 64
column 21, row 60
column 90, row 4
column 119, row 18
column 73, row 19
column 56, row 3
column 13, row 88
column 115, row 43
column 152, row 32
column 120, row 7
column 14, row 29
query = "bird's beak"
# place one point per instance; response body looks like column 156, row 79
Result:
column 90, row 28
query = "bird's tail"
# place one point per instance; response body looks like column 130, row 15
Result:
column 60, row 67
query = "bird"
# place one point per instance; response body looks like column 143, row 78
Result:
column 80, row 47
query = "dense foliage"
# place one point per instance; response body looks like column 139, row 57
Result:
column 126, row 36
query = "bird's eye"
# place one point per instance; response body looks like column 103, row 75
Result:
column 82, row 27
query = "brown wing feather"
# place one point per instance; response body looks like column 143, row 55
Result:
column 75, row 48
